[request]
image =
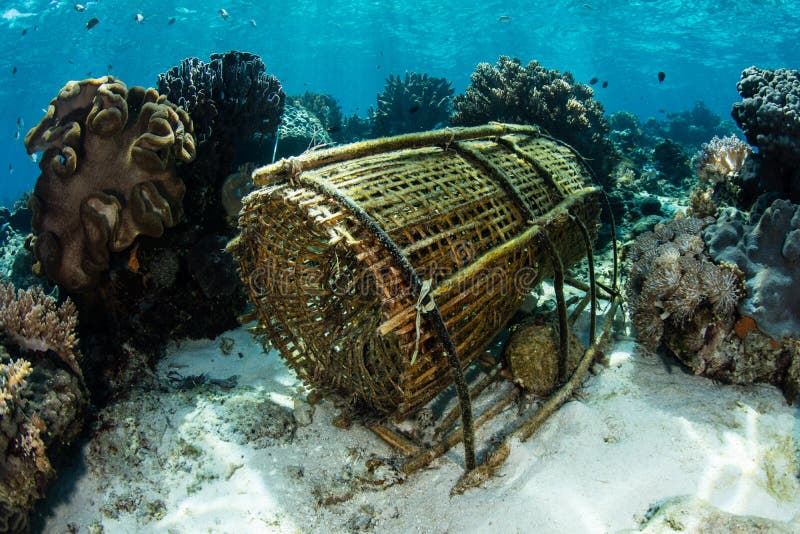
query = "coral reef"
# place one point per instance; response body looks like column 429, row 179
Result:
column 671, row 161
column 509, row 92
column 768, row 252
column 42, row 399
column 720, row 159
column 229, row 97
column 32, row 320
column 81, row 212
column 413, row 103
column 769, row 116
column 681, row 299
column 300, row 130
column 691, row 127
column 324, row 107
column 718, row 164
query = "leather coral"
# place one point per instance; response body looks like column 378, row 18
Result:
column 108, row 175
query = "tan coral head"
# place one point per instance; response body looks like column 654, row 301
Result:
column 108, row 175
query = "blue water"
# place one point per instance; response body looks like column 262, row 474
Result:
column 348, row 48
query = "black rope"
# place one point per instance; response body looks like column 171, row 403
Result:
column 435, row 314
column 476, row 157
column 558, row 286
column 592, row 281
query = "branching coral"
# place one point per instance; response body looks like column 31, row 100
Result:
column 81, row 211
column 414, row 103
column 231, row 97
column 509, row 92
column 34, row 322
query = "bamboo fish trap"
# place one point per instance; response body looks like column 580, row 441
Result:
column 381, row 269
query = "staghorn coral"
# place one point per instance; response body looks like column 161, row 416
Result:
column 32, row 320
column 81, row 212
column 769, row 116
column 509, row 92
column 413, row 103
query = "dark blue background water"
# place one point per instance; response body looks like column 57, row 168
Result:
column 348, row 48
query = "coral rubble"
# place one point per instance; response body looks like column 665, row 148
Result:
column 414, row 103
column 509, row 92
column 81, row 211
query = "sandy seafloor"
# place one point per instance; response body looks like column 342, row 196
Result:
column 210, row 459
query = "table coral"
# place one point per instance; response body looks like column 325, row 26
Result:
column 509, row 92
column 81, row 211
column 414, row 103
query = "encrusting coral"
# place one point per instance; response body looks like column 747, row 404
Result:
column 414, row 103
column 768, row 252
column 509, row 92
column 324, row 107
column 42, row 399
column 81, row 211
column 680, row 298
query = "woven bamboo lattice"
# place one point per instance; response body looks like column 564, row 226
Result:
column 330, row 293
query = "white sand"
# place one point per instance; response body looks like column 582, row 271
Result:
column 172, row 461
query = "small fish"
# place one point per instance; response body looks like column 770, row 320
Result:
column 19, row 122
column 379, row 67
column 16, row 135
column 334, row 129
column 223, row 13
column 253, row 23
column 35, row 28
column 80, row 8
column 94, row 21
column 138, row 18
column 661, row 76
column 605, row 84
column 24, row 31
column 413, row 109
column 588, row 6
column 10, row 169
column 594, row 80
column 109, row 67
column 503, row 18
column 661, row 111
column 171, row 21
column 13, row 70
column 34, row 157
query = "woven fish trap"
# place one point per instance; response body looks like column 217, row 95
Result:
column 346, row 251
